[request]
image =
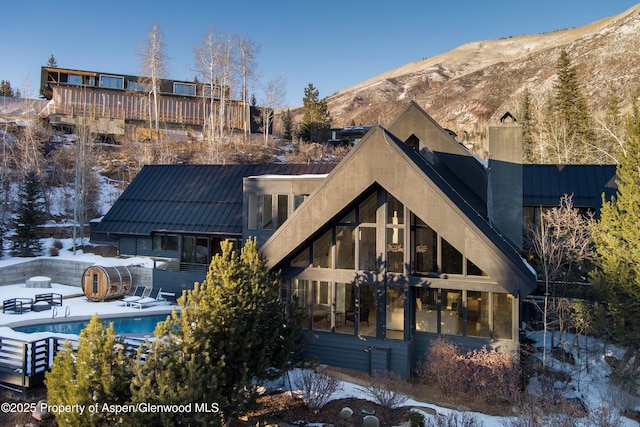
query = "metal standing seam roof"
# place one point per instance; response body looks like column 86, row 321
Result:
column 544, row 185
column 189, row 198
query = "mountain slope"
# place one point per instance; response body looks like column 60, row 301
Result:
column 477, row 82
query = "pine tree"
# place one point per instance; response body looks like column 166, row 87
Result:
column 5, row 89
column 52, row 62
column 97, row 373
column 616, row 277
column 570, row 124
column 316, row 120
column 529, row 126
column 31, row 215
column 287, row 124
column 232, row 329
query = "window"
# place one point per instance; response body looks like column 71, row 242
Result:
column 188, row 249
column 451, row 258
column 74, row 79
column 135, row 85
column 395, row 313
column 395, row 250
column 367, row 310
column 367, row 249
column 474, row 270
column 349, row 218
column 302, row 259
column 477, row 314
column 267, row 211
column 165, row 242
column 95, row 284
column 395, row 211
column 188, row 89
column 202, row 250
column 283, row 208
column 346, row 246
column 452, row 312
column 367, row 210
column 299, row 298
column 426, row 310
column 112, row 82
column 425, row 247
column 345, row 302
column 395, row 235
column 321, row 310
column 298, row 199
column 252, row 211
column 503, row 316
column 322, row 251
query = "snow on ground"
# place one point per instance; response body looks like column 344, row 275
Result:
column 67, row 253
column 75, row 305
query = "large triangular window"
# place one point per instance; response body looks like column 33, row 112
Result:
column 431, row 254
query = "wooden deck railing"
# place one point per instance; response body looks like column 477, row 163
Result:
column 113, row 104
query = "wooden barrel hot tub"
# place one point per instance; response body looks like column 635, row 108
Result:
column 100, row 283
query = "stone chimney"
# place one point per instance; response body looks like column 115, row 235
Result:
column 504, row 191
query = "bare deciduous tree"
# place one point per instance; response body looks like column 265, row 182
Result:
column 154, row 65
column 274, row 96
column 562, row 244
column 247, row 51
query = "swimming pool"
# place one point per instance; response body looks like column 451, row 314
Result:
column 122, row 325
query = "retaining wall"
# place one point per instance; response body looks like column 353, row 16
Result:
column 62, row 271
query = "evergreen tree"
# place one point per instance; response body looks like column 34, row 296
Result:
column 570, row 124
column 616, row 277
column 31, row 215
column 52, row 62
column 316, row 120
column 232, row 329
column 5, row 89
column 97, row 373
column 529, row 126
column 287, row 124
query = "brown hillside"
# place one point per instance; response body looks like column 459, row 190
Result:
column 478, row 81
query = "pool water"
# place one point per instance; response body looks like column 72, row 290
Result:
column 122, row 325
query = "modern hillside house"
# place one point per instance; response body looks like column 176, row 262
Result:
column 116, row 105
column 409, row 238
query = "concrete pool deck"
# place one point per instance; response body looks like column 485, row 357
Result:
column 74, row 304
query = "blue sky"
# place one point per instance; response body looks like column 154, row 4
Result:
column 332, row 44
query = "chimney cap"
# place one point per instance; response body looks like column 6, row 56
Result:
column 507, row 117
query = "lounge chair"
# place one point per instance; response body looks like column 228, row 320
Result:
column 137, row 295
column 155, row 296
column 17, row 305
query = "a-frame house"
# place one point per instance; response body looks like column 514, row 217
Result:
column 409, row 238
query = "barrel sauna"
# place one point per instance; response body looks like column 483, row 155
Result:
column 100, row 283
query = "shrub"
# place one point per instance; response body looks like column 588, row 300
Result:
column 388, row 389
column 416, row 419
column 315, row 386
column 493, row 374
column 490, row 374
column 453, row 419
column 442, row 358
